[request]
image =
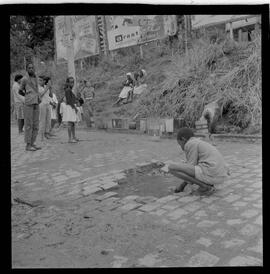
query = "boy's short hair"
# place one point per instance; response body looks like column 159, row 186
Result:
column 185, row 132
column 46, row 79
column 28, row 64
column 18, row 77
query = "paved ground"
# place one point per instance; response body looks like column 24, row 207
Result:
column 69, row 224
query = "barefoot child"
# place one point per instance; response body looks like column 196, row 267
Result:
column 69, row 110
column 205, row 165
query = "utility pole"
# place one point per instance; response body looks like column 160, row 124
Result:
column 187, row 24
column 101, row 28
column 186, row 34
column 231, row 30
column 70, row 47
column 141, row 51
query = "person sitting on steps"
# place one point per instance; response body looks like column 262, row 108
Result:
column 127, row 91
column 205, row 165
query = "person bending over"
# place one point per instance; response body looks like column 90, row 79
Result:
column 204, row 167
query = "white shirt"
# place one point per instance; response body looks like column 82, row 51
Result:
column 45, row 99
column 17, row 97
column 53, row 110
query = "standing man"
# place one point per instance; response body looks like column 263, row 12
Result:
column 44, row 107
column 18, row 102
column 87, row 94
column 53, row 104
column 29, row 88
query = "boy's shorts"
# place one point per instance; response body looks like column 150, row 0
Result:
column 199, row 175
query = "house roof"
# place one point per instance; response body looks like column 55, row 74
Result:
column 211, row 20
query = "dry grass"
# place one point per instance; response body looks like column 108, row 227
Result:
column 228, row 72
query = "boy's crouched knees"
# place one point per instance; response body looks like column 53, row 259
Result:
column 171, row 168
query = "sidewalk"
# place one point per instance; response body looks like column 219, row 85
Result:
column 76, row 227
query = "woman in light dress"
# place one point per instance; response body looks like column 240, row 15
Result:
column 68, row 110
column 140, row 85
column 127, row 91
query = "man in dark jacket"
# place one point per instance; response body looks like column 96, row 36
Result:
column 29, row 88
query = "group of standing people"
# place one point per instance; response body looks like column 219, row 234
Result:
column 37, row 107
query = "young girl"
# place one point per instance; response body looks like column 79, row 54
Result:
column 127, row 91
column 69, row 110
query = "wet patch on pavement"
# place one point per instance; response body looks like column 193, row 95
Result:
column 147, row 180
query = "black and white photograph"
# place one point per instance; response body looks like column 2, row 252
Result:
column 136, row 140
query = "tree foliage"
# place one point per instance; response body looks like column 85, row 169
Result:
column 30, row 35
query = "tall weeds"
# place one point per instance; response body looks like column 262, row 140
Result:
column 228, row 72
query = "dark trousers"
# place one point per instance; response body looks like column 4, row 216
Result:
column 31, row 122
column 53, row 122
column 20, row 125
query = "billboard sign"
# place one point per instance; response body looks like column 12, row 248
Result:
column 124, row 31
column 85, row 37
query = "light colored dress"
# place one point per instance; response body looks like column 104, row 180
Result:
column 18, row 101
column 124, row 93
column 140, row 89
column 53, row 110
column 68, row 113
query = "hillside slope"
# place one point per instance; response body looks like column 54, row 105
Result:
column 180, row 85
column 227, row 71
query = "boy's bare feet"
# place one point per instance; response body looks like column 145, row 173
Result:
column 206, row 191
column 47, row 136
column 36, row 147
column 30, row 148
column 180, row 188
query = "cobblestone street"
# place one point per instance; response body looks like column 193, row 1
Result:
column 75, row 217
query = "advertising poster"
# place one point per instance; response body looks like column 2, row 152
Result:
column 125, row 31
column 85, row 38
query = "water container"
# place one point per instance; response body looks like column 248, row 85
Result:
column 201, row 126
column 143, row 125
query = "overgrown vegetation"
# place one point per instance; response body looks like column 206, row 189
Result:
column 228, row 72
column 30, row 36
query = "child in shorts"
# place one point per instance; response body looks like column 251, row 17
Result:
column 204, row 167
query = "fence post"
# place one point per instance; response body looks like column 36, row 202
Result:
column 240, row 35
column 186, row 34
column 141, row 51
column 231, row 31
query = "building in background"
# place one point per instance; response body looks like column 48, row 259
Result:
column 238, row 27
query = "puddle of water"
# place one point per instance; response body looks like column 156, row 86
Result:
column 145, row 183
